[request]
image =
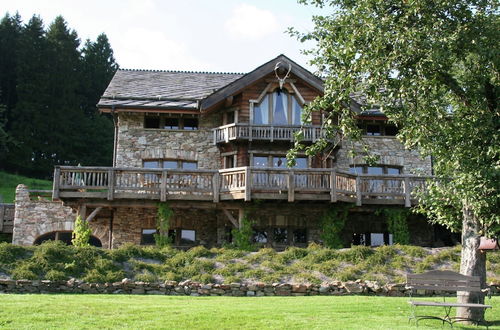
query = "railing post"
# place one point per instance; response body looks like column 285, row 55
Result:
column 226, row 134
column 57, row 182
column 216, row 186
column 358, row 191
column 163, row 186
column 215, row 136
column 248, row 184
column 313, row 134
column 333, row 186
column 291, row 186
column 111, row 184
column 407, row 192
column 272, row 133
column 250, row 132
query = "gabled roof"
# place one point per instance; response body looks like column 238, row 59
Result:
column 147, row 89
column 251, row 77
column 162, row 89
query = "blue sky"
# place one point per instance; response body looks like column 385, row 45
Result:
column 206, row 35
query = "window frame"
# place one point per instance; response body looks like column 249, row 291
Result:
column 270, row 160
column 180, row 120
column 385, row 168
column 161, row 162
column 382, row 125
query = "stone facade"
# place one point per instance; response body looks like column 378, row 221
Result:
column 34, row 218
column 390, row 152
column 135, row 143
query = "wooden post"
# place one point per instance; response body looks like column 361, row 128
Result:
column 57, row 183
column 248, row 184
column 226, row 134
column 291, row 186
column 216, row 186
column 111, row 184
column 82, row 211
column 407, row 192
column 163, row 186
column 93, row 214
column 2, row 215
column 215, row 136
column 358, row 191
column 272, row 133
column 333, row 186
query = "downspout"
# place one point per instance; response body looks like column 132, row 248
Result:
column 115, row 142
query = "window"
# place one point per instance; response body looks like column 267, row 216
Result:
column 259, row 236
column 372, row 239
column 278, row 162
column 229, row 161
column 278, row 108
column 229, row 118
column 280, row 235
column 65, row 237
column 377, row 128
column 170, row 164
column 171, row 122
column 148, row 236
column 188, row 237
column 375, row 170
column 300, row 236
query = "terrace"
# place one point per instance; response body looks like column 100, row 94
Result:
column 242, row 183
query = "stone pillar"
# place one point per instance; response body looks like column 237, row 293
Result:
column 22, row 197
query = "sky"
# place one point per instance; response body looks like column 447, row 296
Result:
column 197, row 35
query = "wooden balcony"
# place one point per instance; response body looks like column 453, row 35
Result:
column 250, row 132
column 243, row 183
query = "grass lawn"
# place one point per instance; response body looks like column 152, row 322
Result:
column 9, row 182
column 170, row 312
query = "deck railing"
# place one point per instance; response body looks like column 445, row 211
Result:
column 242, row 183
column 6, row 218
column 270, row 133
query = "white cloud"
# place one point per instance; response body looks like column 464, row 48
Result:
column 249, row 22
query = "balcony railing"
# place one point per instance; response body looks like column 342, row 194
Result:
column 242, row 183
column 250, row 132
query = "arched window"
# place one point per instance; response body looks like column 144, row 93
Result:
column 65, row 237
column 278, row 108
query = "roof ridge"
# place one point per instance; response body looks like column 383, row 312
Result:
column 182, row 71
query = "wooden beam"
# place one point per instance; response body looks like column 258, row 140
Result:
column 93, row 214
column 82, row 211
column 231, row 218
column 291, row 186
column 241, row 216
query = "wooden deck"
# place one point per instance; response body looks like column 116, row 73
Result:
column 243, row 183
column 242, row 131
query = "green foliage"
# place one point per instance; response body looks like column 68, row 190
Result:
column 397, row 224
column 9, row 253
column 146, row 276
column 332, row 223
column 163, row 225
column 55, row 275
column 81, row 233
column 242, row 237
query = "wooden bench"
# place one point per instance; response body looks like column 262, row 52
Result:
column 443, row 282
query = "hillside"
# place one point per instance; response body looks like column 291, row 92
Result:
column 9, row 182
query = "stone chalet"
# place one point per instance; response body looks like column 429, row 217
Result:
column 213, row 146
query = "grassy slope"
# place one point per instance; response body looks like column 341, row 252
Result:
column 170, row 312
column 9, row 182
column 314, row 264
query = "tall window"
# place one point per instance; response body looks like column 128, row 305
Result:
column 278, row 108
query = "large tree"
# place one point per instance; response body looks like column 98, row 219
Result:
column 432, row 67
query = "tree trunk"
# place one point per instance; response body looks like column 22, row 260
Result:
column 473, row 263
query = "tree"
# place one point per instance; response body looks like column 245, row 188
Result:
column 432, row 67
column 81, row 234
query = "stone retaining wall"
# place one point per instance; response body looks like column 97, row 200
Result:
column 189, row 288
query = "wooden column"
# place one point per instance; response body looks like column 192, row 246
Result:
column 407, row 192
column 57, row 183
column 241, row 215
column 111, row 184
column 291, row 187
column 216, row 186
column 163, row 186
column 82, row 211
column 333, row 186
column 358, row 191
column 248, row 184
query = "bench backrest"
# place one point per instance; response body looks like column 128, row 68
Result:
column 443, row 280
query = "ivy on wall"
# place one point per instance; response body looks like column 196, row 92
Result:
column 397, row 224
column 163, row 225
column 332, row 223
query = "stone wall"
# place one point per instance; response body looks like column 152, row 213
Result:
column 33, row 218
column 136, row 143
column 189, row 288
column 390, row 151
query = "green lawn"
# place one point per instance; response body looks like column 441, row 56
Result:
column 170, row 312
column 9, row 182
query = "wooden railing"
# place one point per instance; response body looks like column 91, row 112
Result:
column 270, row 133
column 6, row 218
column 242, row 183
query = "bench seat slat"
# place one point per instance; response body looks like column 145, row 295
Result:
column 445, row 304
column 445, row 288
column 441, row 281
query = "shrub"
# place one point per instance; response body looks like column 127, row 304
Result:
column 25, row 271
column 232, row 279
column 105, row 271
column 332, row 223
column 55, row 275
column 146, row 276
column 163, row 225
column 10, row 253
column 81, row 233
column 242, row 237
column 261, row 255
column 291, row 253
column 356, row 254
column 125, row 252
column 203, row 278
column 199, row 251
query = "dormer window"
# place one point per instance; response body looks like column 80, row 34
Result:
column 278, row 108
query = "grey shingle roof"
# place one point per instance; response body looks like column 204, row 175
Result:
column 168, row 89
